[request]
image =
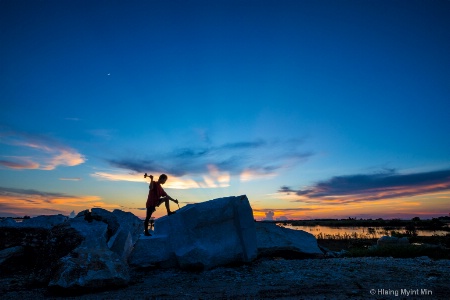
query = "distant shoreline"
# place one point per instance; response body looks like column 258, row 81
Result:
column 441, row 223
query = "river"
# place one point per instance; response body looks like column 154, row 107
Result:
column 360, row 232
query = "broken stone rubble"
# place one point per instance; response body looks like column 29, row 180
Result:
column 94, row 250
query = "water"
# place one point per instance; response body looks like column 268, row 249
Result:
column 359, row 231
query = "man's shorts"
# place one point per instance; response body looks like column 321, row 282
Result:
column 152, row 209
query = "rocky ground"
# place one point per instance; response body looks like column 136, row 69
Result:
column 332, row 278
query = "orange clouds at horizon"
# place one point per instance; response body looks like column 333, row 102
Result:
column 428, row 205
column 33, row 203
column 425, row 201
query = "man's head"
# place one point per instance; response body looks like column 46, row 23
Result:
column 162, row 178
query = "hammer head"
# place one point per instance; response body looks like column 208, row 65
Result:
column 145, row 175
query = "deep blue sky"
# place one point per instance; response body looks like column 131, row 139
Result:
column 248, row 97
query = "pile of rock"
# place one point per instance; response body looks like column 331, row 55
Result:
column 84, row 253
column 95, row 249
column 218, row 232
column 201, row 236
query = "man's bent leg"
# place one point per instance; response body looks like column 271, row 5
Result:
column 166, row 201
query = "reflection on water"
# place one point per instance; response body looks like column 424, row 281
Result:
column 369, row 232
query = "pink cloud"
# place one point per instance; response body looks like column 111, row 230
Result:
column 42, row 153
column 18, row 163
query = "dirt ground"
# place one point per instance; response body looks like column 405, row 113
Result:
column 332, row 278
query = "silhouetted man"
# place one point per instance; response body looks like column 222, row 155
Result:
column 156, row 196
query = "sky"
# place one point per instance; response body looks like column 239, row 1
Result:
column 313, row 109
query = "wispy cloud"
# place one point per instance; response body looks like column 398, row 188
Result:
column 174, row 182
column 70, row 178
column 42, row 152
column 371, row 187
column 247, row 159
column 101, row 133
column 19, row 202
column 213, row 179
column 18, row 163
